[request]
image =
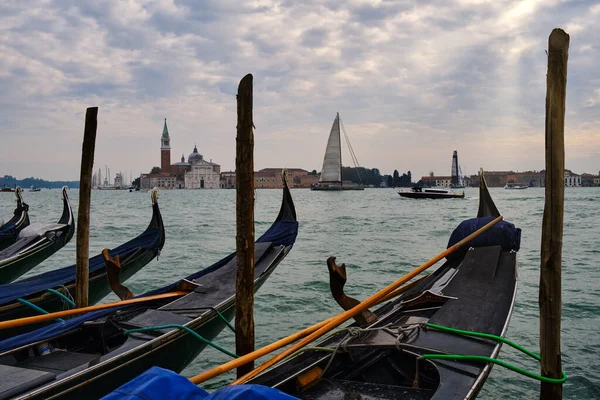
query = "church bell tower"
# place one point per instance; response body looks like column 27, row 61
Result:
column 165, row 150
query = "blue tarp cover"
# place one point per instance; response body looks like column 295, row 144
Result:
column 52, row 279
column 280, row 233
column 162, row 384
column 502, row 234
column 8, row 230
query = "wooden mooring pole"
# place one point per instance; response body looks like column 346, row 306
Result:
column 83, row 214
column 552, row 224
column 244, row 172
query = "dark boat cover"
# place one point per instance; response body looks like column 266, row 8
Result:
column 280, row 233
column 159, row 384
column 503, row 233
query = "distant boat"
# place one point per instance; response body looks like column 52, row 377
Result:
column 34, row 189
column 432, row 193
column 331, row 174
column 7, row 189
column 515, row 186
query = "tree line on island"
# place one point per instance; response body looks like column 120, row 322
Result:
column 373, row 177
column 11, row 181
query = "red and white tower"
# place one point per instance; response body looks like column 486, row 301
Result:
column 165, row 150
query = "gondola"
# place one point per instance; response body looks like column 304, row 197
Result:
column 397, row 357
column 91, row 355
column 35, row 243
column 10, row 230
column 47, row 291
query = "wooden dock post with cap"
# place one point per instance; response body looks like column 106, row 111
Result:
column 83, row 213
column 244, row 167
column 552, row 224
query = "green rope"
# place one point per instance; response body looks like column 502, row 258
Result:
column 185, row 328
column 62, row 296
column 36, row 308
column 223, row 318
column 514, row 368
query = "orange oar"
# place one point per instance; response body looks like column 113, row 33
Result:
column 228, row 366
column 69, row 313
column 341, row 318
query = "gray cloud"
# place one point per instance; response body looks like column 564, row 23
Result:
column 412, row 81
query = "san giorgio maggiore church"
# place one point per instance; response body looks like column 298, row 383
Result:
column 196, row 173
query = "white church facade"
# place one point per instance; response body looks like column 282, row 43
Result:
column 202, row 174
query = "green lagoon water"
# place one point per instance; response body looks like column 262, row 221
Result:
column 379, row 236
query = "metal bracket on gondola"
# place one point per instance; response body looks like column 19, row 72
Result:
column 427, row 297
column 186, row 286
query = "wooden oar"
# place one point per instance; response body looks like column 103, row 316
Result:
column 341, row 318
column 69, row 313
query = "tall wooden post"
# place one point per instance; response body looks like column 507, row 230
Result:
column 83, row 214
column 244, row 170
column 552, row 224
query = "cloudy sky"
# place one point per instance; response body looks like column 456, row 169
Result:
column 412, row 80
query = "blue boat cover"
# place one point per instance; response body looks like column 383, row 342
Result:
column 8, row 230
column 162, row 384
column 52, row 279
column 280, row 233
column 502, row 234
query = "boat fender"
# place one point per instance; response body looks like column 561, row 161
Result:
column 502, row 234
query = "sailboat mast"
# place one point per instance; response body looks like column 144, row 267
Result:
column 340, row 141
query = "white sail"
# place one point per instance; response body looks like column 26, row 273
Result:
column 332, row 163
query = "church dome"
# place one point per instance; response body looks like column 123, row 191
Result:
column 195, row 156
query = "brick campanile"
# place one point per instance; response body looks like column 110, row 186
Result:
column 165, row 150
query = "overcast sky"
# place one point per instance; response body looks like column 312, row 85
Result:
column 412, row 81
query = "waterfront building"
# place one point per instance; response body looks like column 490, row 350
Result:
column 228, row 180
column 119, row 181
column 432, row 180
column 307, row 181
column 270, row 178
column 202, row 174
column 572, row 179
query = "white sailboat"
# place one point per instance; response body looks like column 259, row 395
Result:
column 331, row 174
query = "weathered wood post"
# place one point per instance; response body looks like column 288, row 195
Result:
column 83, row 213
column 552, row 224
column 244, row 171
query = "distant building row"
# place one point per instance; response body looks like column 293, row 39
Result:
column 197, row 173
column 268, row 178
column 530, row 178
